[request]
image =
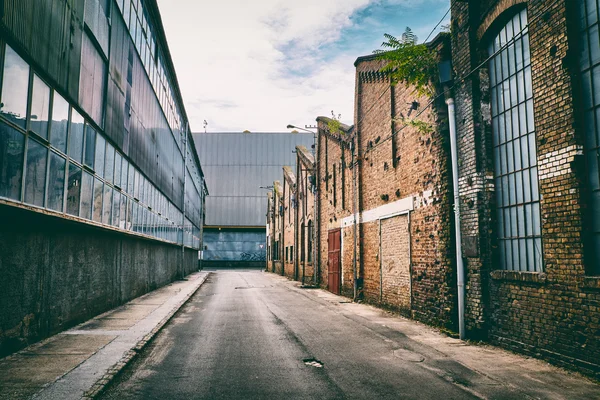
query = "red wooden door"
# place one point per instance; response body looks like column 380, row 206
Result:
column 333, row 261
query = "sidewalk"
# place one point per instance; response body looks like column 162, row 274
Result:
column 487, row 372
column 80, row 362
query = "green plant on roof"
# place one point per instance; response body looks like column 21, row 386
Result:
column 408, row 62
column 334, row 126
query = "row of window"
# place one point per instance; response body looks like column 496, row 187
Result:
column 136, row 18
column 50, row 157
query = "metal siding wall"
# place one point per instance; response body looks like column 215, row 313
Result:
column 236, row 165
column 50, row 33
column 43, row 29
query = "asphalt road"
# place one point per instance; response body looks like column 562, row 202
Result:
column 251, row 335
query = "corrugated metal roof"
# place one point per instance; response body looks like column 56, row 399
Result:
column 236, row 165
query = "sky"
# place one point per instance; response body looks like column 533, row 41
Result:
column 260, row 65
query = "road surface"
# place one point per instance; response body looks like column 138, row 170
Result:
column 253, row 335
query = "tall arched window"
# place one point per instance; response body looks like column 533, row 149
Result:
column 515, row 154
column 302, row 242
column 310, row 241
column 590, row 75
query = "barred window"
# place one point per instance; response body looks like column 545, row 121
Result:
column 590, row 75
column 515, row 154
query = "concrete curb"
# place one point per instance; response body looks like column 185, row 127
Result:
column 101, row 384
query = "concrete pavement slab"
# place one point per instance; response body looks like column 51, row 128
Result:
column 81, row 361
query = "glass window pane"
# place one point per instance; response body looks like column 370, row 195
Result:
column 12, row 144
column 73, row 189
column 90, row 146
column 60, row 123
column 587, row 89
column 40, row 107
column 98, row 196
column 87, row 186
column 527, row 187
column 100, row 152
column 592, row 163
column 596, row 85
column 15, row 85
column 118, row 163
column 528, row 219
column 592, row 15
column 123, row 211
column 130, row 181
column 116, row 216
column 124, row 170
column 538, row 254
column 528, row 83
column 519, row 186
column 35, row 175
column 56, row 182
column 594, row 45
column 532, row 150
column 595, row 203
column 109, row 164
column 537, row 224
column 76, row 136
column 106, row 215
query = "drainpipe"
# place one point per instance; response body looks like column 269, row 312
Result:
column 460, row 271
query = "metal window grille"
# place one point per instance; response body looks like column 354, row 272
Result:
column 515, row 154
column 590, row 75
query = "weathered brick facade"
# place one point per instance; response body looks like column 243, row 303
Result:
column 305, row 215
column 335, row 200
column 404, row 180
column 275, row 219
column 554, row 311
column 289, row 223
column 526, row 219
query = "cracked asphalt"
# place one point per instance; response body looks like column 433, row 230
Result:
column 254, row 335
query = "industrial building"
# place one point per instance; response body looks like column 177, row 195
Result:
column 240, row 169
column 101, row 188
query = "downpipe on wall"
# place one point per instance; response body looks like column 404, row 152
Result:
column 460, row 271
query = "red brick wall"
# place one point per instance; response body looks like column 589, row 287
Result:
column 554, row 314
column 418, row 170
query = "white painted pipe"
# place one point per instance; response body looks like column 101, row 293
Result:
column 460, row 271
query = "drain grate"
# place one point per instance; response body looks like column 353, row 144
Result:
column 313, row 362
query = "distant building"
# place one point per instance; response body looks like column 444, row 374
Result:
column 101, row 189
column 240, row 169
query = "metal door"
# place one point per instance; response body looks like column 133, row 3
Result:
column 334, row 267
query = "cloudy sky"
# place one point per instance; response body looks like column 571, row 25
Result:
column 263, row 64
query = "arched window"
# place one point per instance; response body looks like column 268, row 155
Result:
column 302, row 242
column 310, row 241
column 590, row 75
column 515, row 153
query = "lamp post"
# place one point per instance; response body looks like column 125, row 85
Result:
column 316, row 219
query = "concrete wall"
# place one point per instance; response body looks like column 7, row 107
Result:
column 57, row 273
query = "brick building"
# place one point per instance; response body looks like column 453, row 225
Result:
column 528, row 133
column 275, row 229
column 305, row 222
column 334, row 203
column 388, row 184
column 289, row 204
column 526, row 91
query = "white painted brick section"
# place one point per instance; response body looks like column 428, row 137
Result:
column 558, row 162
